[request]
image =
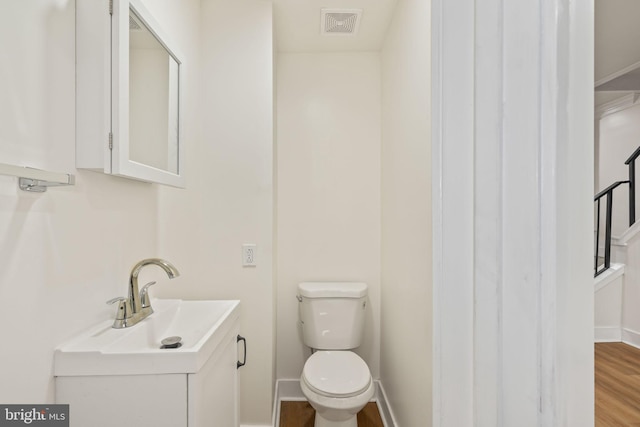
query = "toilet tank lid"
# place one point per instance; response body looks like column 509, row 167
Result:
column 332, row 289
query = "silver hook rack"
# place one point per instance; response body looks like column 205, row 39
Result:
column 36, row 180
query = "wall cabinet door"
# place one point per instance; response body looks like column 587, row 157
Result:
column 129, row 81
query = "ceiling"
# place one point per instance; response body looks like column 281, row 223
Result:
column 297, row 29
column 617, row 46
column 297, row 25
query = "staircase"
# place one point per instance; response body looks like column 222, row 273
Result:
column 602, row 258
column 617, row 266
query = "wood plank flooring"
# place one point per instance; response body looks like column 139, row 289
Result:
column 617, row 393
column 301, row 414
column 617, row 385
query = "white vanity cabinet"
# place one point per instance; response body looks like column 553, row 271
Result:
column 205, row 398
column 213, row 391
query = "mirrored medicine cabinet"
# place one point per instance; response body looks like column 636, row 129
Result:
column 128, row 94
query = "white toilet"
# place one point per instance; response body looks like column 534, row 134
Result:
column 336, row 381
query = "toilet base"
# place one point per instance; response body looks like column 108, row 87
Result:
column 323, row 422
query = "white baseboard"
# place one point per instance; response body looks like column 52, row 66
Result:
column 383, row 406
column 255, row 425
column 607, row 334
column 631, row 337
column 290, row 390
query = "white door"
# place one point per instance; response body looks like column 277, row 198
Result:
column 512, row 199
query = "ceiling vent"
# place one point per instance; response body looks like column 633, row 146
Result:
column 340, row 21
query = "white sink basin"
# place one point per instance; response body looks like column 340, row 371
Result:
column 136, row 350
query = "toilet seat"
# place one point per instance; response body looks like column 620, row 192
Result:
column 337, row 374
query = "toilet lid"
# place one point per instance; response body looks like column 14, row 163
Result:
column 336, row 373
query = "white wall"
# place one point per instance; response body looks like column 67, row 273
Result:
column 328, row 186
column 607, row 318
column 229, row 196
column 406, row 215
column 64, row 252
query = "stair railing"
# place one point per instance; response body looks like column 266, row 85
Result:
column 631, row 162
column 608, row 193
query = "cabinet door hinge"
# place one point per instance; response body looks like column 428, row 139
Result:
column 110, row 141
column 110, row 7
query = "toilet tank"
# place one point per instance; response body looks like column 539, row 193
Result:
column 332, row 314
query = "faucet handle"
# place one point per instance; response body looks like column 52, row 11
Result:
column 144, row 295
column 124, row 308
column 115, row 300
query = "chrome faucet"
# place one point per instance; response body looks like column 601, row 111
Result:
column 138, row 306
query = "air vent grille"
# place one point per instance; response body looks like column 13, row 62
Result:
column 133, row 24
column 340, row 21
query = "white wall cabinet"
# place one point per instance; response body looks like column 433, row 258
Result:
column 207, row 398
column 129, row 80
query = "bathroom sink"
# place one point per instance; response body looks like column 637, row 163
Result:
column 103, row 350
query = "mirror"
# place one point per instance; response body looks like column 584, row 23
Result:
column 153, row 99
column 128, row 94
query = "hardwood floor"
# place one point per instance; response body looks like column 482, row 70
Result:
column 617, row 385
column 301, row 414
column 617, row 393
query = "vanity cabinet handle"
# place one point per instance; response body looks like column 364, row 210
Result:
column 244, row 359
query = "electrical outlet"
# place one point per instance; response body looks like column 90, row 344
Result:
column 249, row 255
